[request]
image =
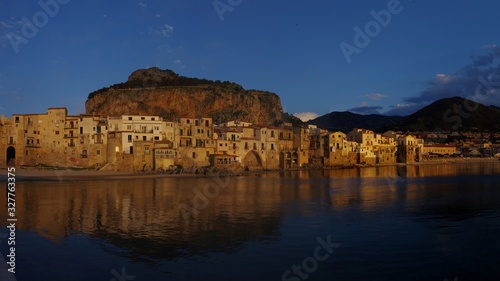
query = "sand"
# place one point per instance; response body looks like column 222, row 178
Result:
column 24, row 174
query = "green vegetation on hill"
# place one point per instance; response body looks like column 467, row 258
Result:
column 157, row 78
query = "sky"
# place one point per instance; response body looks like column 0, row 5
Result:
column 365, row 56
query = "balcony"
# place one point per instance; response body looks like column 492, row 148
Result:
column 70, row 136
column 143, row 131
column 33, row 145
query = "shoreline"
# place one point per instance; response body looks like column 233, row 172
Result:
column 34, row 174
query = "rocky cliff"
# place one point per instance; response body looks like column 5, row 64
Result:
column 162, row 92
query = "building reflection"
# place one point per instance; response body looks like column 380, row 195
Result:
column 144, row 218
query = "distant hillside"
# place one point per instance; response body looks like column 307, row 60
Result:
column 346, row 121
column 446, row 114
column 162, row 92
column 455, row 113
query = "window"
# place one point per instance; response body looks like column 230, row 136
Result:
column 144, row 138
column 272, row 146
column 272, row 134
column 129, row 138
column 57, row 132
column 146, row 149
column 84, row 153
column 98, row 152
column 17, row 119
column 207, row 123
column 194, row 155
column 196, row 123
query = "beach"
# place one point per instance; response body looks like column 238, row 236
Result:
column 60, row 175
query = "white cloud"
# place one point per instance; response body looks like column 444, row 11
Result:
column 443, row 78
column 375, row 96
column 306, row 116
column 164, row 30
column 143, row 5
column 177, row 61
column 492, row 46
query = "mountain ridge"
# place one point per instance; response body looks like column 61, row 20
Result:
column 164, row 93
column 455, row 113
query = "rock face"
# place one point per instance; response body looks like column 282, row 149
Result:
column 162, row 92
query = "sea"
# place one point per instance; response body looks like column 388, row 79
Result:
column 430, row 222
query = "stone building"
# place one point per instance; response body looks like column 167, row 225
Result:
column 365, row 149
column 302, row 143
column 409, row 149
column 196, row 142
column 430, row 150
column 385, row 149
column 55, row 139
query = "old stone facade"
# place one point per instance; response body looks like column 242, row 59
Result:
column 147, row 143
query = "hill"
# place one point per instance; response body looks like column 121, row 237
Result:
column 164, row 93
column 452, row 114
column 346, row 121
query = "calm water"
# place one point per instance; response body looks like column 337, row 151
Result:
column 386, row 223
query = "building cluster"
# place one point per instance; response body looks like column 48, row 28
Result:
column 140, row 143
column 463, row 143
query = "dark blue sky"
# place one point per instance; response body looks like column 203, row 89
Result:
column 427, row 50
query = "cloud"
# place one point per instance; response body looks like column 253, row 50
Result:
column 177, row 61
column 403, row 109
column 143, row 6
column 164, row 30
column 479, row 81
column 376, row 96
column 363, row 108
column 306, row 116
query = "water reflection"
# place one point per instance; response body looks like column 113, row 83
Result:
column 143, row 216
